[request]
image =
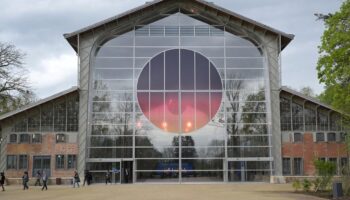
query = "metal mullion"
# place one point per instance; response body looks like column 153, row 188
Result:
column 134, row 115
column 195, row 89
column 164, row 68
column 225, row 111
column 180, row 104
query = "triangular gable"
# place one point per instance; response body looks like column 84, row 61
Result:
column 158, row 7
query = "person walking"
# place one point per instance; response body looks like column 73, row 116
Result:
column 38, row 178
column 87, row 177
column 108, row 177
column 126, row 175
column 25, row 180
column 76, row 179
column 44, row 177
column 2, row 180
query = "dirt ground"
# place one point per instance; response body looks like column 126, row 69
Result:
column 260, row 191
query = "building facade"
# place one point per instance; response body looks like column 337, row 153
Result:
column 174, row 91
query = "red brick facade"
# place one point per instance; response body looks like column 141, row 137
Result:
column 48, row 147
column 309, row 150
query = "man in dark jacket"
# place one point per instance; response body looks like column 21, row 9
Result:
column 25, row 180
column 2, row 180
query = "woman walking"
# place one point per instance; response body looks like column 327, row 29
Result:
column 44, row 178
column 76, row 179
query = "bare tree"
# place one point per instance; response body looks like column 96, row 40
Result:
column 14, row 86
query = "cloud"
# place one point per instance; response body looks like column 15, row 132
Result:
column 36, row 27
column 54, row 74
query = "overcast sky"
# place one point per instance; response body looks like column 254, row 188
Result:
column 37, row 26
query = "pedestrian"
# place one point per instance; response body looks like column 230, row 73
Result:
column 38, row 178
column 76, row 179
column 108, row 177
column 89, row 178
column 2, row 180
column 44, row 177
column 126, row 175
column 25, row 180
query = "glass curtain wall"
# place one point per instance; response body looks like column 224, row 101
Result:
column 184, row 100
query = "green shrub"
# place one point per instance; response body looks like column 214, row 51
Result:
column 296, row 185
column 306, row 185
column 325, row 170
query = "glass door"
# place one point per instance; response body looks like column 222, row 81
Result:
column 99, row 171
column 255, row 171
column 42, row 163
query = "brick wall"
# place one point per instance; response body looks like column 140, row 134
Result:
column 309, row 150
column 48, row 147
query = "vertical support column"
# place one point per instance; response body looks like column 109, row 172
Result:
column 272, row 66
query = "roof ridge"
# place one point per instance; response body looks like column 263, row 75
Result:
column 39, row 102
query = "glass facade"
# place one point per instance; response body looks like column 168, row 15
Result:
column 179, row 100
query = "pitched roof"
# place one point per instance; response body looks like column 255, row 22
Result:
column 72, row 37
column 32, row 105
column 308, row 98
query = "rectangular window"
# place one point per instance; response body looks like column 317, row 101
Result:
column 11, row 162
column 298, row 166
column 60, row 116
column 322, row 120
column 24, row 138
column 285, row 114
column 286, row 166
column 72, row 113
column 344, row 163
column 335, row 122
column 334, row 160
column 322, row 158
column 310, row 118
column 320, row 137
column 34, row 120
column 13, row 138
column 298, row 117
column 47, row 117
column 60, row 138
column 298, row 137
column 21, row 125
column 59, row 161
column 22, row 162
column 331, row 137
column 72, row 162
column 36, row 138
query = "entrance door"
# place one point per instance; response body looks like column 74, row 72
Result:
column 42, row 163
column 252, row 170
column 127, row 171
column 98, row 171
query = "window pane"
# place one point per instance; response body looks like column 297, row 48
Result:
column 72, row 162
column 23, row 162
column 59, row 161
column 286, row 166
column 187, row 69
column 11, row 162
column 298, row 166
column 285, row 114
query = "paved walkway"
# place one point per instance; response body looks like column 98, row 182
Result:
column 158, row 192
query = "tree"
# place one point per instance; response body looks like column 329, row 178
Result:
column 333, row 65
column 307, row 91
column 14, row 86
